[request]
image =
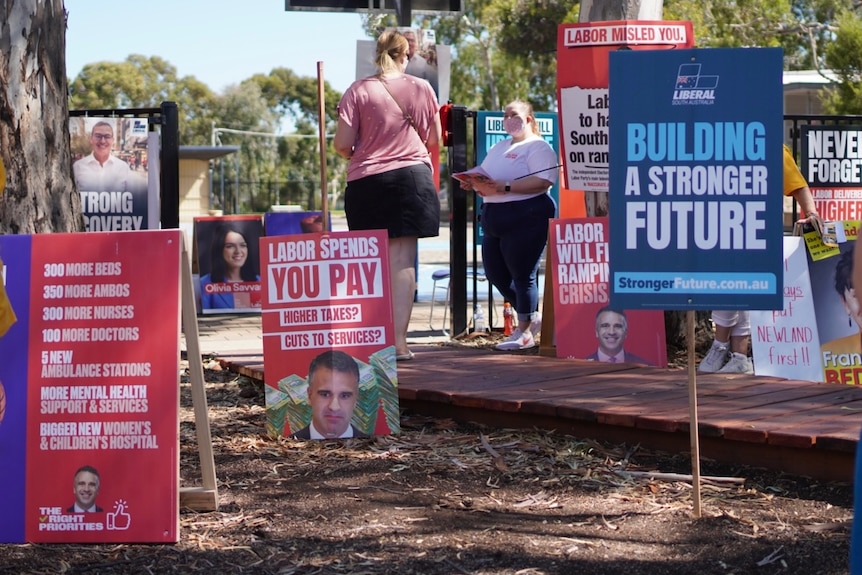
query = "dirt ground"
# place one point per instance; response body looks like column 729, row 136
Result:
column 443, row 498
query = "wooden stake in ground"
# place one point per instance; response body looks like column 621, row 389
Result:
column 204, row 497
column 692, row 410
column 597, row 205
column 321, row 114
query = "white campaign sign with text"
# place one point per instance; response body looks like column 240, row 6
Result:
column 785, row 342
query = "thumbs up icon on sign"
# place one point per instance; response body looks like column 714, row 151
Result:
column 119, row 520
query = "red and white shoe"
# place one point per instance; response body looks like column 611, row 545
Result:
column 518, row 340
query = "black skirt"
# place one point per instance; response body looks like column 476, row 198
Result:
column 404, row 202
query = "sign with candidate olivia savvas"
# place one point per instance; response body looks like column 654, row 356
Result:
column 696, row 179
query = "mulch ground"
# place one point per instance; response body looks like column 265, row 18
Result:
column 449, row 498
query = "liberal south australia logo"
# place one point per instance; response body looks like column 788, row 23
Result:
column 693, row 88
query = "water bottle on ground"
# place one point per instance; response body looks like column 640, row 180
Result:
column 479, row 323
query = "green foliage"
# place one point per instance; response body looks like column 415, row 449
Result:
column 270, row 167
column 812, row 29
column 141, row 82
column 501, row 50
column 296, row 98
column 844, row 57
column 801, row 27
column 533, row 25
column 245, row 112
column 732, row 23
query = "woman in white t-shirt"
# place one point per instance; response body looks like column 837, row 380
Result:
column 516, row 209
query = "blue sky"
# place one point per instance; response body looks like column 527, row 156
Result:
column 220, row 42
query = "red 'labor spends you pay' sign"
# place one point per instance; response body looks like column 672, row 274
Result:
column 325, row 293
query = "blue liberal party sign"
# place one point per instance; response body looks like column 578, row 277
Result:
column 696, row 179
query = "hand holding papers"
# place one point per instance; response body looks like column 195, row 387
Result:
column 823, row 229
column 477, row 179
column 831, row 233
column 473, row 176
column 481, row 181
column 823, row 239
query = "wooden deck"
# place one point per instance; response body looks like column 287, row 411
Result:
column 798, row 427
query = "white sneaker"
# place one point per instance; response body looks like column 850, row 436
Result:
column 714, row 360
column 518, row 340
column 536, row 325
column 738, row 364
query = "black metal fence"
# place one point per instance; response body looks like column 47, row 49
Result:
column 244, row 196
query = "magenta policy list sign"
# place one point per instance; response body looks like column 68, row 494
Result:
column 90, row 371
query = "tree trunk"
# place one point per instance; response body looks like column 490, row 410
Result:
column 601, row 11
column 40, row 195
column 597, row 202
column 674, row 328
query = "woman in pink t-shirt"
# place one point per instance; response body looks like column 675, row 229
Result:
column 385, row 124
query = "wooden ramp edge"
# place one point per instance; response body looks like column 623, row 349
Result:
column 796, row 427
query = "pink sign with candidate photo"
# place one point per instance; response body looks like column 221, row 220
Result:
column 585, row 326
